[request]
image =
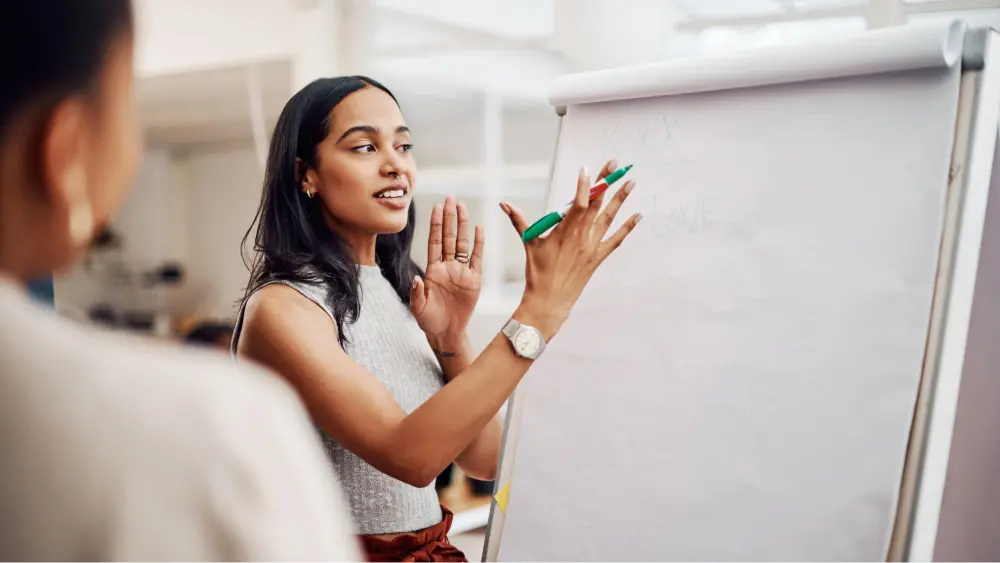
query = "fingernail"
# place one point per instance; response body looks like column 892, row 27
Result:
column 415, row 278
column 583, row 171
column 628, row 186
column 638, row 218
column 504, row 208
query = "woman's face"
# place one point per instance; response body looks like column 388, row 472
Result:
column 365, row 172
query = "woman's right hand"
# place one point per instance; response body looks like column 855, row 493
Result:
column 559, row 265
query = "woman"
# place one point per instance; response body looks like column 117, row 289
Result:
column 336, row 305
column 116, row 448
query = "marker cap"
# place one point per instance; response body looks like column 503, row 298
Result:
column 616, row 175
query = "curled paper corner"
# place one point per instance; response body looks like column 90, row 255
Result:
column 503, row 496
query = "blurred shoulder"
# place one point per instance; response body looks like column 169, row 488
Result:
column 224, row 451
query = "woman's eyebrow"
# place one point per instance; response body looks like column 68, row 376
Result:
column 370, row 130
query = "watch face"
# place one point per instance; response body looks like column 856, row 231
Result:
column 528, row 342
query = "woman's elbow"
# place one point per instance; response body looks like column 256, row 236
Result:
column 484, row 473
column 411, row 462
column 480, row 463
column 490, row 474
column 415, row 472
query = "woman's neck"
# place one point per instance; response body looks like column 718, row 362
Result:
column 364, row 253
column 361, row 244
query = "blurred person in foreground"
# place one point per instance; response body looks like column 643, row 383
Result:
column 113, row 447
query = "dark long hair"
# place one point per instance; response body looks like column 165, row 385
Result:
column 293, row 242
column 54, row 49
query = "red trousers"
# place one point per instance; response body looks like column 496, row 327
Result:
column 429, row 544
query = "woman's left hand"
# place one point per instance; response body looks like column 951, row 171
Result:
column 443, row 302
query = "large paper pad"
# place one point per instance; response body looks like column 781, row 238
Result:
column 738, row 380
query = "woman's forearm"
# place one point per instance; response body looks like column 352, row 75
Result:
column 454, row 353
column 480, row 458
column 431, row 437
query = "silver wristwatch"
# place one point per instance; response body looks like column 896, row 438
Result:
column 527, row 341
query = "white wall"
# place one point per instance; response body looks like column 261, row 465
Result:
column 153, row 219
column 223, row 192
column 182, row 35
column 989, row 17
column 455, row 137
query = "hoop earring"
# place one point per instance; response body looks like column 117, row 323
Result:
column 310, row 194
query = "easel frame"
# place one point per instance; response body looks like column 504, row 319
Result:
column 925, row 470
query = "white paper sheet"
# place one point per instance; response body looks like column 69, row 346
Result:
column 935, row 45
column 737, row 382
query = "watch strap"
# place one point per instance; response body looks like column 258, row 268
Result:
column 510, row 329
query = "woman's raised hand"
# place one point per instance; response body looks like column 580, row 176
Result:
column 443, row 302
column 559, row 265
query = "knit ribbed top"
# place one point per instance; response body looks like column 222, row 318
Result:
column 386, row 341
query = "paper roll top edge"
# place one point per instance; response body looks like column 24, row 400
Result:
column 895, row 49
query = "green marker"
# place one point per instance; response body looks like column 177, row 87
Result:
column 552, row 219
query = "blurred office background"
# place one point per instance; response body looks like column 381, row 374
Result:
column 472, row 78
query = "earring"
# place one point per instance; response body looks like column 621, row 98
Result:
column 81, row 216
column 81, row 225
column 310, row 193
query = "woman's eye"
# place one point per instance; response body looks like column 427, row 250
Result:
column 365, row 148
column 406, row 147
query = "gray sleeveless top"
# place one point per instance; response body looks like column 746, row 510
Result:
column 387, row 341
